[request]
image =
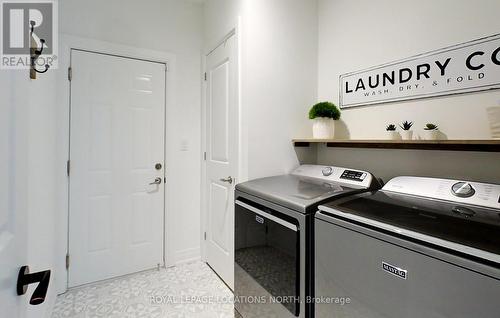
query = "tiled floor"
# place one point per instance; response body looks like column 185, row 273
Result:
column 191, row 290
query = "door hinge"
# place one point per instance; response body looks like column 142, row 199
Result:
column 68, row 167
column 67, row 261
column 205, row 156
column 205, row 76
column 70, row 73
column 166, row 67
column 205, row 236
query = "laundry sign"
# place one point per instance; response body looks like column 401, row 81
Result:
column 467, row 67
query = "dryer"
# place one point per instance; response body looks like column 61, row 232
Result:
column 274, row 235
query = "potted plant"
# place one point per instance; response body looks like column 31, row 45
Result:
column 407, row 134
column 431, row 132
column 323, row 115
column 392, row 134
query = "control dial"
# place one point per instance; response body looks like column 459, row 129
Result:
column 462, row 190
column 327, row 171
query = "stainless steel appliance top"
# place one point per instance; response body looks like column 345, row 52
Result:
column 309, row 185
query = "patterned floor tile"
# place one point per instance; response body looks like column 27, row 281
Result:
column 192, row 290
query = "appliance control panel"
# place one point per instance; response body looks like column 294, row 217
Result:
column 473, row 193
column 346, row 176
column 353, row 175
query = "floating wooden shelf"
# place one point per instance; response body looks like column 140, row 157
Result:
column 492, row 145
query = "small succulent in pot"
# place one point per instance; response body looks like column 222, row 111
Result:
column 391, row 132
column 406, row 125
column 407, row 133
column 431, row 132
column 391, row 127
column 430, row 127
column 323, row 115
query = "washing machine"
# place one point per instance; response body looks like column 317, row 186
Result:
column 417, row 248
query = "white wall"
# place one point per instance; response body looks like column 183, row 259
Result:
column 278, row 86
column 220, row 17
column 168, row 26
column 278, row 75
column 355, row 35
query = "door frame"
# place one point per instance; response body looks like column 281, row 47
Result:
column 241, row 176
column 68, row 43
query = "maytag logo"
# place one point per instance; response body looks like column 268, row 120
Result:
column 259, row 219
column 396, row 271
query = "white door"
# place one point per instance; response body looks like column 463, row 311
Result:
column 222, row 157
column 116, row 216
column 13, row 193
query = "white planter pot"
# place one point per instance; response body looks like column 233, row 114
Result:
column 407, row 134
column 323, row 128
column 431, row 134
column 392, row 135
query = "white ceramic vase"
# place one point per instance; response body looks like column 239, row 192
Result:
column 407, row 134
column 393, row 135
column 431, row 134
column 323, row 128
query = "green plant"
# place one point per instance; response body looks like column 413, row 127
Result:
column 324, row 109
column 430, row 127
column 406, row 125
column 391, row 127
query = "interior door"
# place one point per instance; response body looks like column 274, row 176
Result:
column 116, row 220
column 13, row 193
column 221, row 162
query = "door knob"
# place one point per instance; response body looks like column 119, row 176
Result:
column 26, row 278
column 157, row 181
column 228, row 179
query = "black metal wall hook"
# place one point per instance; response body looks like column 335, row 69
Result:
column 35, row 53
column 26, row 278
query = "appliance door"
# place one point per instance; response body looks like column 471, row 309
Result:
column 267, row 262
column 463, row 228
column 375, row 278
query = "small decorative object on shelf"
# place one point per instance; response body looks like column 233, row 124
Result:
column 431, row 132
column 407, row 134
column 392, row 134
column 323, row 115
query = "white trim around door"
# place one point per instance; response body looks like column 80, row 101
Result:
column 69, row 43
column 116, row 166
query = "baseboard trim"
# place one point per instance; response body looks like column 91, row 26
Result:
column 186, row 256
